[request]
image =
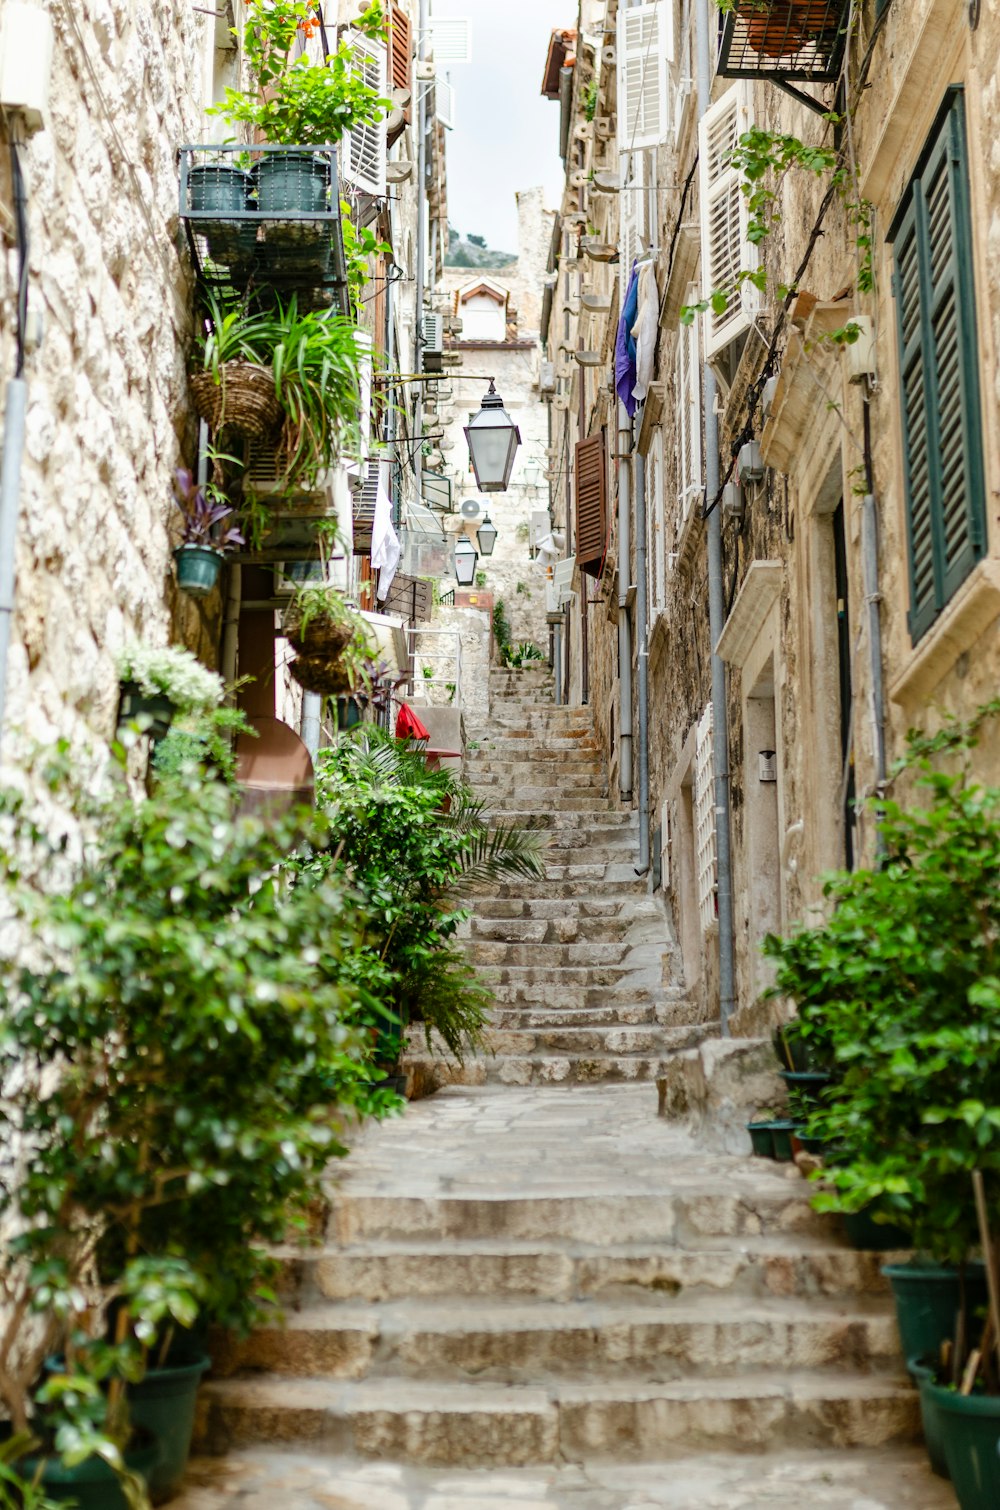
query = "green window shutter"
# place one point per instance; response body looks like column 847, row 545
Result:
column 936, row 324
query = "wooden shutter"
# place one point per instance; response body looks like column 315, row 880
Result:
column 725, row 250
column 688, row 415
column 645, row 46
column 362, row 157
column 939, row 374
column 400, row 50
column 591, row 503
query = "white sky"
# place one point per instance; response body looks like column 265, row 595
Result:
column 506, row 135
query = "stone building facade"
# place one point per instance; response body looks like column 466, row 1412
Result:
column 111, row 321
column 847, row 590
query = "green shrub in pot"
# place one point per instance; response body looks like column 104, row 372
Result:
column 187, row 1031
column 295, row 100
column 904, row 982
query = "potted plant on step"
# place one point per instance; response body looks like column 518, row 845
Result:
column 181, row 1076
column 203, row 548
column 904, row 980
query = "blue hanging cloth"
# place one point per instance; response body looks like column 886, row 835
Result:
column 625, row 373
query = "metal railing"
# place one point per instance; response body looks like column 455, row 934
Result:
column 447, row 652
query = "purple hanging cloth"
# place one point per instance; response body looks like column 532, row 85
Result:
column 625, row 374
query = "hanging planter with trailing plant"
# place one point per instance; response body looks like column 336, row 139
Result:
column 157, row 683
column 200, row 555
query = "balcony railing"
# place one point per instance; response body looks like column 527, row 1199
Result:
column 267, row 216
column 784, row 40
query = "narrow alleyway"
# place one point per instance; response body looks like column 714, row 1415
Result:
column 532, row 1291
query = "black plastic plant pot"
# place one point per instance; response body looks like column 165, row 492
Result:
column 809, row 1083
column 928, row 1297
column 157, row 710
column 781, row 1133
column 291, row 183
column 970, row 1435
column 867, row 1235
column 922, row 1374
column 163, row 1403
column 761, row 1139
column 348, row 713
column 198, row 568
column 90, row 1485
column 219, row 188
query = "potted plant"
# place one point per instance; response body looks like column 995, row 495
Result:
column 158, row 682
column 904, row 979
column 202, row 549
column 162, row 1003
column 264, row 370
column 299, row 103
column 333, row 672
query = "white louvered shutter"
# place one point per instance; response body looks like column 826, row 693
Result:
column 444, row 102
column 362, row 153
column 630, row 199
column 689, row 483
column 704, row 820
column 725, row 250
column 645, row 49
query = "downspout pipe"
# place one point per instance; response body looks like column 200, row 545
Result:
column 873, row 599
column 423, row 23
column 642, row 658
column 624, row 623
column 15, row 416
column 706, row 13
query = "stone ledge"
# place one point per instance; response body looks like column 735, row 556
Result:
column 715, row 1087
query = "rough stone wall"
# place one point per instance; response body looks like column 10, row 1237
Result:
column 109, row 417
column 788, row 519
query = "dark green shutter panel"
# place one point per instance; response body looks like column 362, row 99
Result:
column 935, row 313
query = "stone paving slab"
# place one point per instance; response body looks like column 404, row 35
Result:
column 890, row 1479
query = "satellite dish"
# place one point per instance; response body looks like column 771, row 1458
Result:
column 471, row 508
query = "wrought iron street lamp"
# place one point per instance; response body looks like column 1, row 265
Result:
column 493, row 441
column 465, row 559
column 486, row 536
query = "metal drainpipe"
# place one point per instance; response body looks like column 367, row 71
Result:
column 15, row 414
column 643, row 660
column 421, row 269
column 717, row 614
column 873, row 597
column 624, row 624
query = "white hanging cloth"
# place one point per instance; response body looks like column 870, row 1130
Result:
column 644, row 330
column 385, row 541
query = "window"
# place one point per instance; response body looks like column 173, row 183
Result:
column 704, row 821
column 688, row 427
column 939, row 375
column 591, row 504
column 725, row 250
column 362, row 153
column 645, row 47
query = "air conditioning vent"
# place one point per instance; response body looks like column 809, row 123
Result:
column 432, row 341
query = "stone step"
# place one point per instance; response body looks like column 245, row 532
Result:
column 583, row 909
column 567, row 802
column 887, row 1478
column 554, row 978
column 756, row 1268
column 571, row 929
column 769, row 1206
column 503, row 761
column 614, row 879
column 540, row 994
column 432, row 1072
column 621, row 953
column 550, row 818
column 580, row 1041
column 536, row 783
column 521, row 1017
column 514, row 1342
column 511, row 1425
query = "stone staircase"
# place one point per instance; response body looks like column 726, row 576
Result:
column 542, row 1294
column 581, row 964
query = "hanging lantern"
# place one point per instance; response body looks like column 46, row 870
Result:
column 465, row 558
column 486, row 536
column 493, row 441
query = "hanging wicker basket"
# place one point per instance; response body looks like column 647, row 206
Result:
column 244, row 399
column 322, row 637
column 317, row 674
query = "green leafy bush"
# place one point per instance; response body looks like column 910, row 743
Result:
column 181, row 1038
column 902, row 988
column 407, row 838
